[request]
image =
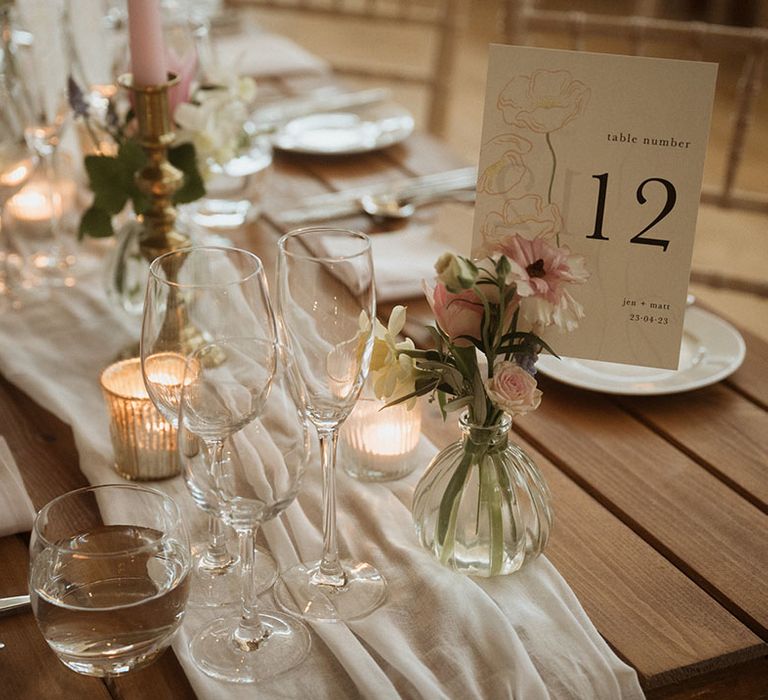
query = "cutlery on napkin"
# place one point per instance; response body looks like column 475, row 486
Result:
column 16, row 510
column 404, row 259
column 347, row 202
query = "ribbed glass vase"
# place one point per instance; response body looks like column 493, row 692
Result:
column 482, row 507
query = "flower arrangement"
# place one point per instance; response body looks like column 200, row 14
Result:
column 487, row 337
column 497, row 306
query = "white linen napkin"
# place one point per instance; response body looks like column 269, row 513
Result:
column 262, row 55
column 439, row 635
column 403, row 259
column 16, row 510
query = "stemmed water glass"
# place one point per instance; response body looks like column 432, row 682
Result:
column 39, row 72
column 326, row 306
column 257, row 469
column 195, row 296
column 17, row 163
column 109, row 589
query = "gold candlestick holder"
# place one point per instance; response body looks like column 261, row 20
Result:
column 159, row 180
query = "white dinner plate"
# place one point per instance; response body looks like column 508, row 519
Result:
column 342, row 133
column 711, row 350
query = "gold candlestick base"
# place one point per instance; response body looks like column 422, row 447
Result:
column 159, row 180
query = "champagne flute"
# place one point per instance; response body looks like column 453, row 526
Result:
column 195, row 296
column 326, row 307
column 109, row 590
column 257, row 473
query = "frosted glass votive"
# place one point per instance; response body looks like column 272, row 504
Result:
column 143, row 441
column 379, row 444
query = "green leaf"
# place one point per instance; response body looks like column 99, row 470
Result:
column 457, row 404
column 96, row 223
column 106, row 179
column 184, row 158
column 132, row 158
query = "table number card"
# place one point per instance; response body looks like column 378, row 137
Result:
column 605, row 154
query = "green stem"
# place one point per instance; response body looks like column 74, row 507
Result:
column 552, row 176
column 449, row 505
column 489, row 487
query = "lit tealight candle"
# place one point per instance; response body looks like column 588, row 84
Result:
column 40, row 201
column 379, row 444
column 143, row 441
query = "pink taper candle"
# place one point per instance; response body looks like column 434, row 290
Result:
column 145, row 31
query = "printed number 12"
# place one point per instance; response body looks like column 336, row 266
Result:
column 597, row 234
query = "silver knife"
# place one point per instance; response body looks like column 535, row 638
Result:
column 335, row 205
column 12, row 603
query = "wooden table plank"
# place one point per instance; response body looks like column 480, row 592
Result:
column 28, row 667
column 45, row 451
column 726, row 433
column 661, row 493
column 654, row 616
column 751, row 379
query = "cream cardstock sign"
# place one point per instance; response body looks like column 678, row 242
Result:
column 605, row 154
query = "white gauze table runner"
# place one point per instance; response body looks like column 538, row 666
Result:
column 439, row 635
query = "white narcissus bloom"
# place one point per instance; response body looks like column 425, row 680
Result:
column 512, row 389
column 215, row 121
column 393, row 374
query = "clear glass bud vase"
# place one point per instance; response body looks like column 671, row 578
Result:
column 482, row 507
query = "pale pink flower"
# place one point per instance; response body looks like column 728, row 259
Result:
column 512, row 389
column 543, row 272
column 456, row 314
column 185, row 68
column 528, row 215
column 544, row 101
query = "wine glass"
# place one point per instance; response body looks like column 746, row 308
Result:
column 17, row 163
column 195, row 296
column 257, row 475
column 39, row 72
column 109, row 590
column 326, row 307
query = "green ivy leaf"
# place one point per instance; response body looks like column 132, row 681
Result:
column 106, row 180
column 97, row 223
column 184, row 158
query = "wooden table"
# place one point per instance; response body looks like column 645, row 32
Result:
column 660, row 503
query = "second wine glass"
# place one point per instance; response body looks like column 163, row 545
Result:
column 326, row 307
column 195, row 296
column 259, row 450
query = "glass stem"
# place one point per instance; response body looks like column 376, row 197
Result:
column 49, row 158
column 330, row 572
column 250, row 633
column 216, row 556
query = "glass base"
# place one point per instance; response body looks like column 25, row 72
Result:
column 213, row 588
column 286, row 645
column 364, row 591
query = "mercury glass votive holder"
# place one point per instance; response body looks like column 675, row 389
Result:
column 379, row 443
column 143, row 441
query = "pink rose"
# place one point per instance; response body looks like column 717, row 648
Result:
column 512, row 389
column 456, row 314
